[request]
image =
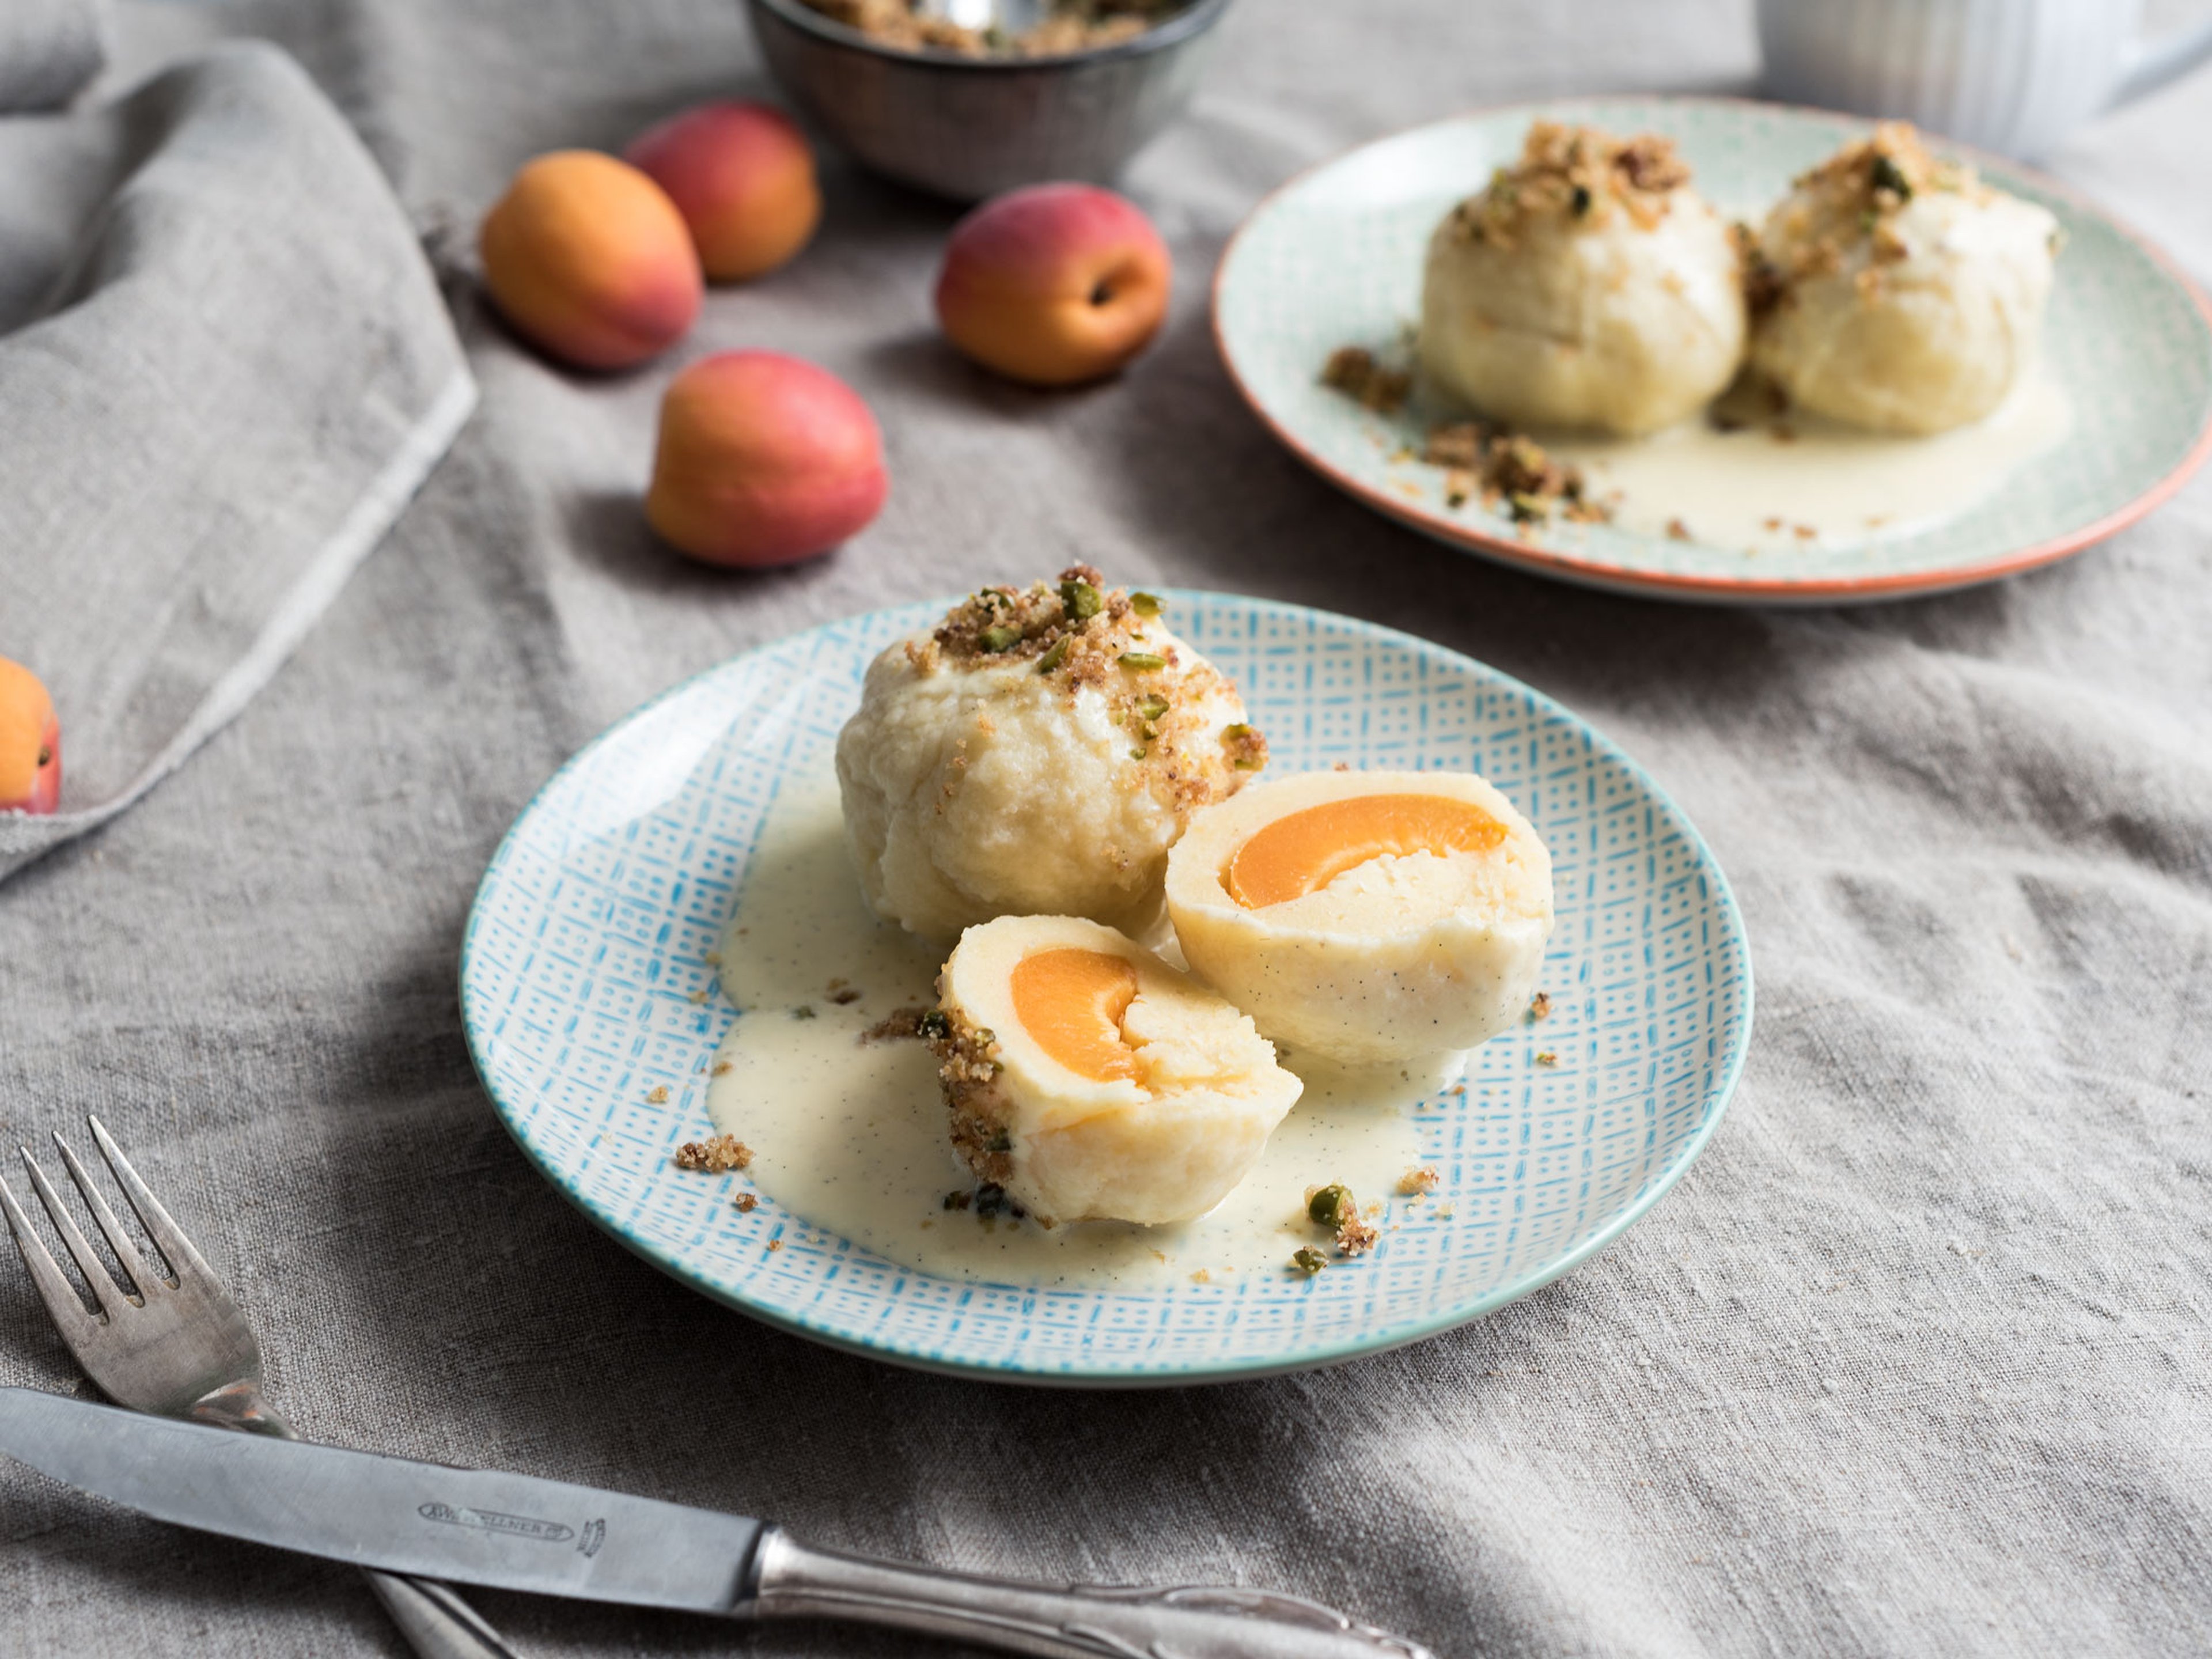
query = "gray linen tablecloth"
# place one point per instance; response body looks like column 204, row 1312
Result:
column 1914, row 1362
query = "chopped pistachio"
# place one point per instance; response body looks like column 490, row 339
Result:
column 1582, row 200
column 1001, row 1142
column 1143, row 661
column 1146, row 605
column 1000, row 637
column 1153, row 706
column 1057, row 655
column 990, row 1199
column 1331, row 1204
column 1081, row 600
column 934, row 1023
column 985, row 1036
column 1888, row 175
column 805, row 1011
column 1137, row 754
column 1308, row 1261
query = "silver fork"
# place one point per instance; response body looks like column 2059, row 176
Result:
column 179, row 1346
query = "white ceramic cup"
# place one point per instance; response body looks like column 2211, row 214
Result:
column 2013, row 76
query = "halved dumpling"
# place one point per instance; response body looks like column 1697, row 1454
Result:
column 1094, row 1082
column 1366, row 916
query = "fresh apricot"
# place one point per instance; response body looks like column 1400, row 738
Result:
column 1070, row 1002
column 30, row 743
column 1303, row 852
column 589, row 260
column 763, row 459
column 743, row 178
column 1053, row 284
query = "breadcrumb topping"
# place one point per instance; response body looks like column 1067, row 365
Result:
column 1578, row 175
column 1507, row 469
column 1852, row 199
column 1355, row 372
column 968, row 1071
column 717, row 1155
column 1081, row 634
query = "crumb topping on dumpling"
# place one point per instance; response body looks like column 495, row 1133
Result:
column 1583, row 174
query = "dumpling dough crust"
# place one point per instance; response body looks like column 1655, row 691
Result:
column 1928, row 340
column 1165, row 1144
column 1625, row 313
column 1395, row 959
column 980, row 787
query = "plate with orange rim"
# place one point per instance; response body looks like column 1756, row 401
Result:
column 591, row 1003
column 1334, row 258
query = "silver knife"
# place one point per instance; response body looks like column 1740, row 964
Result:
column 518, row 1531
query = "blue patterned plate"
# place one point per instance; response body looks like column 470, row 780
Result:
column 585, row 993
column 1334, row 258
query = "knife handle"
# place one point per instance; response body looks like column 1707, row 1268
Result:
column 792, row 1580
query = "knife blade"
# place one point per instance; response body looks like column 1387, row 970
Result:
column 475, row 1526
column 519, row 1532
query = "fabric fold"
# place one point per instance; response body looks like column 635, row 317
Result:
column 230, row 368
column 50, row 50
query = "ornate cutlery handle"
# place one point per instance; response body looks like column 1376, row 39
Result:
column 1078, row 1621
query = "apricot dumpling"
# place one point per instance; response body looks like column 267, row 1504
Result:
column 1366, row 917
column 1094, row 1082
column 1902, row 295
column 1037, row 754
column 1587, row 285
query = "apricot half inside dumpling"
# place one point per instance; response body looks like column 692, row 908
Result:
column 1093, row 1081
column 1366, row 916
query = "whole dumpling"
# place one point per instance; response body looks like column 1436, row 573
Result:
column 1035, row 754
column 1903, row 295
column 1588, row 286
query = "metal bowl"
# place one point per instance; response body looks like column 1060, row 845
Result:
column 970, row 127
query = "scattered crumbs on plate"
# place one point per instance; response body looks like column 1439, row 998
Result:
column 657, row 1095
column 1355, row 1234
column 1546, row 1057
column 847, row 995
column 776, row 1243
column 747, row 1204
column 723, row 1065
column 1419, row 1182
column 713, row 958
column 1540, row 1007
column 1446, row 1212
column 805, row 1011
column 1355, row 371
column 700, row 995
column 1308, row 1261
column 716, row 1155
column 1803, row 532
column 1201, row 1277
column 1772, row 523
column 1678, row 531
column 1161, row 1257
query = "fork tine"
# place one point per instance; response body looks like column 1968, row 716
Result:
column 77, row 1324
column 143, row 1279
column 169, row 1238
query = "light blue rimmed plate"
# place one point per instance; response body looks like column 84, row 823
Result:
column 585, row 957
column 1334, row 259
